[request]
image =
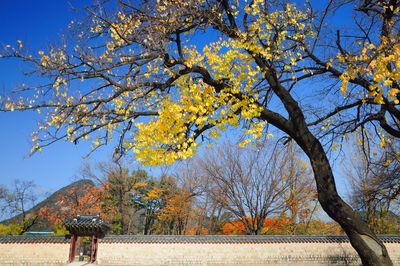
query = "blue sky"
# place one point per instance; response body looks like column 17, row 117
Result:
column 37, row 23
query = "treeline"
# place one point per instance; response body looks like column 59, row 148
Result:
column 231, row 190
column 231, row 186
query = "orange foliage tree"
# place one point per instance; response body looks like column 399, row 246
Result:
column 281, row 226
column 270, row 226
column 83, row 200
column 301, row 195
column 177, row 211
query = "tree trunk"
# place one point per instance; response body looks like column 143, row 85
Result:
column 368, row 246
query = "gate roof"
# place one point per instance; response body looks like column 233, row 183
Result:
column 87, row 225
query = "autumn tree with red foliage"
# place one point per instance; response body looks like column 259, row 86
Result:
column 282, row 226
column 82, row 200
column 270, row 226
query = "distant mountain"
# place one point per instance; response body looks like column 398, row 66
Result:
column 50, row 203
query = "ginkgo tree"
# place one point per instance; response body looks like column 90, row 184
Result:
column 162, row 77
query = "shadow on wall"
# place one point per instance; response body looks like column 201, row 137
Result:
column 343, row 260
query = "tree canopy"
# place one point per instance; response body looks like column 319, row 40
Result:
column 165, row 76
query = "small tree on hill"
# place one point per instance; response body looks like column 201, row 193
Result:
column 18, row 201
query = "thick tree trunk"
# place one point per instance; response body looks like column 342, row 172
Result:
column 368, row 246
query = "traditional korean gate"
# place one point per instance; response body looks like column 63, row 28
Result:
column 86, row 225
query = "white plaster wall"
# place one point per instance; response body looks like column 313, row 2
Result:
column 232, row 254
column 34, row 253
column 191, row 254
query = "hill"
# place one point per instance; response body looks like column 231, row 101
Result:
column 51, row 203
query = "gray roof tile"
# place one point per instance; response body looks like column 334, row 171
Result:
column 86, row 224
column 34, row 239
column 197, row 239
column 237, row 239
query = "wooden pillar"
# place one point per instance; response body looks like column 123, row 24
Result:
column 95, row 243
column 72, row 247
